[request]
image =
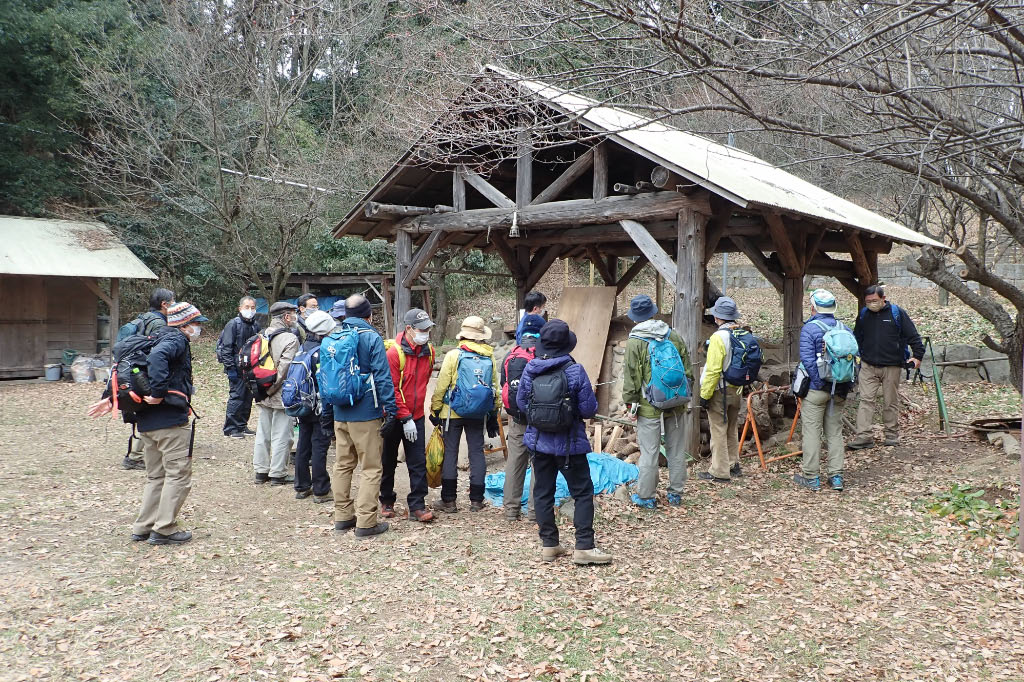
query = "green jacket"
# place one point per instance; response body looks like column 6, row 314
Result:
column 637, row 371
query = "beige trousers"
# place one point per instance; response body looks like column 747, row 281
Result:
column 357, row 443
column 515, row 469
column 875, row 382
column 725, row 440
column 817, row 416
column 168, row 479
column 273, row 442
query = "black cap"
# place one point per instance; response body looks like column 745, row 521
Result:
column 555, row 339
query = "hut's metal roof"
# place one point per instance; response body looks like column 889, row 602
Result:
column 729, row 172
column 65, row 248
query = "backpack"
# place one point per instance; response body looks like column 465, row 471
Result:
column 256, row 363
column 840, row 356
column 668, row 387
column 515, row 363
column 299, row 391
column 340, row 378
column 551, row 408
column 471, row 395
column 136, row 326
column 746, row 358
column 129, row 375
column 390, row 343
column 897, row 317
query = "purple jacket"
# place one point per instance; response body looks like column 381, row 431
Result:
column 575, row 442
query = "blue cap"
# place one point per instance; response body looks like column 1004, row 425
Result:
column 532, row 324
column 725, row 309
column 641, row 308
column 823, row 300
column 338, row 309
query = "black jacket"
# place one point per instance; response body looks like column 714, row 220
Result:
column 882, row 340
column 170, row 378
column 235, row 334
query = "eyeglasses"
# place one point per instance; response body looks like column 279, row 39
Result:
column 312, row 307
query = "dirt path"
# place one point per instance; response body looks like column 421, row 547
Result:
column 753, row 581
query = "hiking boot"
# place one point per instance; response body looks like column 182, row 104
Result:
column 511, row 514
column 281, row 480
column 860, row 444
column 706, row 476
column 892, row 441
column 836, row 482
column 387, row 511
column 646, row 503
column 531, row 516
column 140, row 537
column 422, row 515
column 323, row 499
column 735, row 471
column 130, row 464
column 235, row 434
column 344, row 526
column 476, row 505
column 373, row 530
column 813, row 483
column 177, row 538
column 584, row 557
column 446, row 506
column 675, row 500
column 248, row 432
column 261, row 478
column 551, row 553
column 303, row 494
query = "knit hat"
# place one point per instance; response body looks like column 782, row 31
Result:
column 555, row 340
column 641, row 308
column 823, row 301
column 320, row 322
column 182, row 313
column 725, row 309
column 474, row 329
column 362, row 311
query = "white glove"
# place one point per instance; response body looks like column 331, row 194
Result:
column 409, row 431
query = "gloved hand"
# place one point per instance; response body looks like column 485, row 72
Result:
column 389, row 424
column 633, row 407
column 704, row 403
column 492, row 425
column 434, row 419
column 409, row 430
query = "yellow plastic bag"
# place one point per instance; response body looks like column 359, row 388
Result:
column 435, row 457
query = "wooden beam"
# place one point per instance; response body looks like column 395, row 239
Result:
column 859, row 258
column 688, row 306
column 524, row 171
column 458, row 191
column 853, row 286
column 472, row 243
column 600, row 190
column 378, row 229
column 489, row 191
column 448, row 240
column 792, row 316
column 403, row 296
column 540, row 264
column 421, row 259
column 650, row 247
column 507, row 254
column 568, row 176
column 758, row 260
column 783, row 246
column 601, row 266
column 95, row 288
column 389, row 311
column 374, row 208
column 812, row 248
column 630, row 274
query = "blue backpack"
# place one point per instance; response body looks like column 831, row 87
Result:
column 839, row 359
column 898, row 319
column 746, row 358
column 471, row 395
column 668, row 387
column 340, row 378
column 299, row 391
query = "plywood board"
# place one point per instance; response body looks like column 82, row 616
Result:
column 588, row 312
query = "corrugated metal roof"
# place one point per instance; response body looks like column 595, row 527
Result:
column 65, row 248
column 734, row 174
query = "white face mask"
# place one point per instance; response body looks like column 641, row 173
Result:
column 247, row 313
column 420, row 338
column 193, row 333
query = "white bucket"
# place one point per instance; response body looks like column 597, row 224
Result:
column 53, row 372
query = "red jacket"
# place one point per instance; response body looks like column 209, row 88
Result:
column 410, row 383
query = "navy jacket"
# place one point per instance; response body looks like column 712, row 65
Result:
column 575, row 442
column 170, row 369
column 882, row 340
column 812, row 343
column 372, row 360
column 232, row 338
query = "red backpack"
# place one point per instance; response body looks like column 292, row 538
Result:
column 256, row 364
column 515, row 363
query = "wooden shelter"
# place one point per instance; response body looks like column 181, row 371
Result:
column 50, row 272
column 603, row 183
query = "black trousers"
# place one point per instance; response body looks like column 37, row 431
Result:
column 576, row 471
column 415, row 462
column 474, row 429
column 239, row 406
column 311, row 456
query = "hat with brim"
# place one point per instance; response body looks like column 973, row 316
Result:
column 474, row 329
column 282, row 307
column 641, row 308
column 725, row 309
column 556, row 339
column 182, row 313
column 824, row 301
column 338, row 310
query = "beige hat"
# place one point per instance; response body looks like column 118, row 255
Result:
column 474, row 329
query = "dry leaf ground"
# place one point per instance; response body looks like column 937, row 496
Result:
column 755, row 581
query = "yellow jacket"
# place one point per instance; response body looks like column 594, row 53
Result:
column 446, row 378
column 719, row 355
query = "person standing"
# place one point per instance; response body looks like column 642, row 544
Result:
column 240, row 329
column 556, row 395
column 411, row 359
column 307, row 304
column 465, row 400
column 721, row 399
column 651, row 422
column 533, row 304
column 358, row 423
column 163, row 425
column 311, row 477
column 274, row 429
column 884, row 332
column 518, row 457
column 822, row 408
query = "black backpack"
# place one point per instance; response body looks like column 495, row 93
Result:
column 552, row 408
column 129, row 377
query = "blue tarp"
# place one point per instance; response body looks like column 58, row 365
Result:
column 326, row 302
column 607, row 473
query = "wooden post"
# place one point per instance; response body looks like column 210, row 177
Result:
column 523, row 256
column 389, row 312
column 657, row 290
column 688, row 301
column 115, row 311
column 600, row 171
column 305, row 286
column 792, row 315
column 403, row 294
